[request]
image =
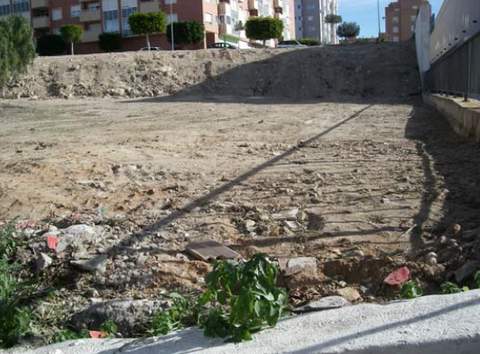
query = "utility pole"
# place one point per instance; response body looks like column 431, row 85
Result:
column 171, row 25
column 379, row 25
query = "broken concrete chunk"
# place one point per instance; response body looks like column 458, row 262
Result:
column 300, row 264
column 326, row 303
column 93, row 265
column 211, row 250
column 290, row 214
column 42, row 262
column 350, row 294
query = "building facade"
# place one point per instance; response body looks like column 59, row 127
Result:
column 400, row 17
column 223, row 19
column 310, row 20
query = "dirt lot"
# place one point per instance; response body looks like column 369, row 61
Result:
column 362, row 184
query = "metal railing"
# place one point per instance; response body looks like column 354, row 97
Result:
column 458, row 71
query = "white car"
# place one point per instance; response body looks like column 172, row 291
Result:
column 290, row 44
column 151, row 48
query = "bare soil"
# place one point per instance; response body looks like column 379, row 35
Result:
column 363, row 183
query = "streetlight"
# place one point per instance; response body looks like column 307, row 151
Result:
column 171, row 26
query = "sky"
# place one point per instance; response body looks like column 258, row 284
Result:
column 364, row 12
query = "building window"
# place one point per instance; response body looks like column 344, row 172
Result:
column 395, row 19
column 309, row 18
column 396, row 39
column 414, row 18
column 395, row 29
column 128, row 7
column 168, row 2
column 21, row 6
column 4, row 8
column 75, row 11
column 207, row 17
column 57, row 14
column 110, row 21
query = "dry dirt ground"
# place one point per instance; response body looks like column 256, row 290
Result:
column 362, row 184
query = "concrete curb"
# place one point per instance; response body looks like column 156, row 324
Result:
column 440, row 324
column 464, row 117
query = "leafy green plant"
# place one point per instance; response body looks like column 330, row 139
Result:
column 411, row 290
column 109, row 328
column 68, row 334
column 15, row 319
column 51, row 44
column 309, row 41
column 110, row 42
column 476, row 279
column 348, row 30
column 17, row 49
column 263, row 28
column 452, row 288
column 8, row 241
column 242, row 298
column 182, row 313
column 332, row 18
column 187, row 32
column 147, row 24
column 71, row 34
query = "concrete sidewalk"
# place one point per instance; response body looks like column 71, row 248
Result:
column 440, row 324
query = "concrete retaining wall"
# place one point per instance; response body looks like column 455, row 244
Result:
column 440, row 324
column 464, row 117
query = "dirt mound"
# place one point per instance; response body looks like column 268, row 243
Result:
column 356, row 70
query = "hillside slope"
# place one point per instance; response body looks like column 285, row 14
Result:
column 357, row 70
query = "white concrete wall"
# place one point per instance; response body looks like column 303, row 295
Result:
column 422, row 39
column 455, row 17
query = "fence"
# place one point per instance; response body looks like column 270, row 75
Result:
column 458, row 71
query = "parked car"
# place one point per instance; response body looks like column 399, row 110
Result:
column 151, row 48
column 221, row 45
column 290, row 44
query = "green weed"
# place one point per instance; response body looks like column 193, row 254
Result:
column 411, row 290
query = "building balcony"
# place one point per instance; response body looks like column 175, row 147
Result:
column 41, row 22
column 38, row 4
column 91, row 35
column 90, row 15
column 223, row 8
column 149, row 6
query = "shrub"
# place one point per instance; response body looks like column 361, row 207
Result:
column 348, row 30
column 110, row 42
column 71, row 34
column 147, row 23
column 411, row 290
column 332, row 18
column 309, row 41
column 14, row 318
column 263, row 28
column 241, row 299
column 452, row 288
column 17, row 49
column 188, row 32
column 51, row 44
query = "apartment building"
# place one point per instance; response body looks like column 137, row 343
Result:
column 310, row 20
column 220, row 17
column 400, row 17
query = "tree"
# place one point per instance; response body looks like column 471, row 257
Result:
column 17, row 49
column 333, row 20
column 348, row 30
column 110, row 42
column 51, row 44
column 71, row 34
column 148, row 23
column 188, row 32
column 264, row 28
